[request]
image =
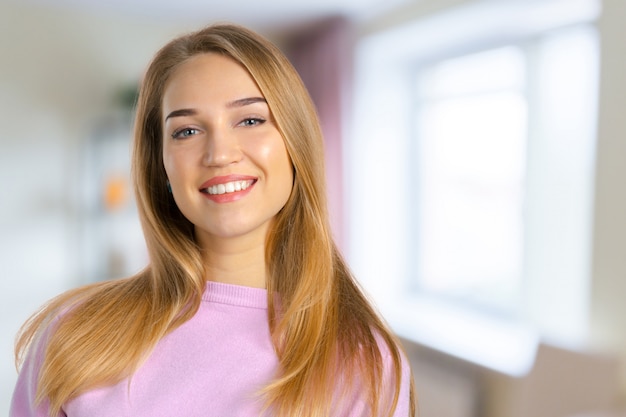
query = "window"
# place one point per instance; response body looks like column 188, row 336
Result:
column 469, row 168
column 470, row 171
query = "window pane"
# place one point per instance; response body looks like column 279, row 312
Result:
column 496, row 69
column 471, row 166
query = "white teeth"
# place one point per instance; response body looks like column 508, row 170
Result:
column 229, row 187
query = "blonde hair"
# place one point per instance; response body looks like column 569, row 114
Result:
column 324, row 329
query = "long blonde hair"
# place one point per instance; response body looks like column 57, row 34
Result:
column 323, row 331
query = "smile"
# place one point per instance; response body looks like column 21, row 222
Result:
column 229, row 187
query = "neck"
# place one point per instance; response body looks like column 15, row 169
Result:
column 235, row 262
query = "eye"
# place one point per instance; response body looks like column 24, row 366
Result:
column 184, row 133
column 252, row 121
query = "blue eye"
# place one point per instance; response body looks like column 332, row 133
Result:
column 252, row 121
column 184, row 133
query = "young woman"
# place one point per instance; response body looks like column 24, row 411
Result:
column 246, row 307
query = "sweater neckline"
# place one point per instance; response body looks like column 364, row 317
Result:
column 236, row 295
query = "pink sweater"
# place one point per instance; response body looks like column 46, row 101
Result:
column 213, row 365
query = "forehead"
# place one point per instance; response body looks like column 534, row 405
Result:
column 209, row 76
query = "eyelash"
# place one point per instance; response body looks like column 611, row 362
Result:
column 257, row 121
column 248, row 122
column 180, row 132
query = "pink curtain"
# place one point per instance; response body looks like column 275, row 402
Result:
column 322, row 55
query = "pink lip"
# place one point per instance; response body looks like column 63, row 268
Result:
column 227, row 197
column 223, row 179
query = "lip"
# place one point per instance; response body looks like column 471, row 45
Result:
column 223, row 179
column 227, row 197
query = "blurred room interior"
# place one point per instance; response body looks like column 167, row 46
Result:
column 475, row 156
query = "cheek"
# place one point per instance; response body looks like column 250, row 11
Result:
column 167, row 160
column 281, row 162
column 175, row 163
column 265, row 151
column 286, row 173
column 273, row 154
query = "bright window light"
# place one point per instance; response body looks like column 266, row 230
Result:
column 471, row 131
column 470, row 167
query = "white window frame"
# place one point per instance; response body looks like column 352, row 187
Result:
column 379, row 205
column 417, row 272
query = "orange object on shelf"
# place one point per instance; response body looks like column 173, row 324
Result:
column 115, row 192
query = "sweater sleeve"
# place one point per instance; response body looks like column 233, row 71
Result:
column 23, row 402
column 356, row 406
column 404, row 397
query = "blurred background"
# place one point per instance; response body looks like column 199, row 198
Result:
column 475, row 158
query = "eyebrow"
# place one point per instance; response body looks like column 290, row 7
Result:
column 182, row 113
column 246, row 101
column 235, row 103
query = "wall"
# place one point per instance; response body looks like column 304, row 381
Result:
column 609, row 257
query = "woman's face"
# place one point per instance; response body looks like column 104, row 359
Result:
column 226, row 161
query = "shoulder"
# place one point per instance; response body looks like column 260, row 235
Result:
column 404, row 405
column 394, row 378
column 394, row 359
column 34, row 339
column 35, row 334
column 25, row 402
column 397, row 377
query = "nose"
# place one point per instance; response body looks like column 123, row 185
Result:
column 222, row 148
